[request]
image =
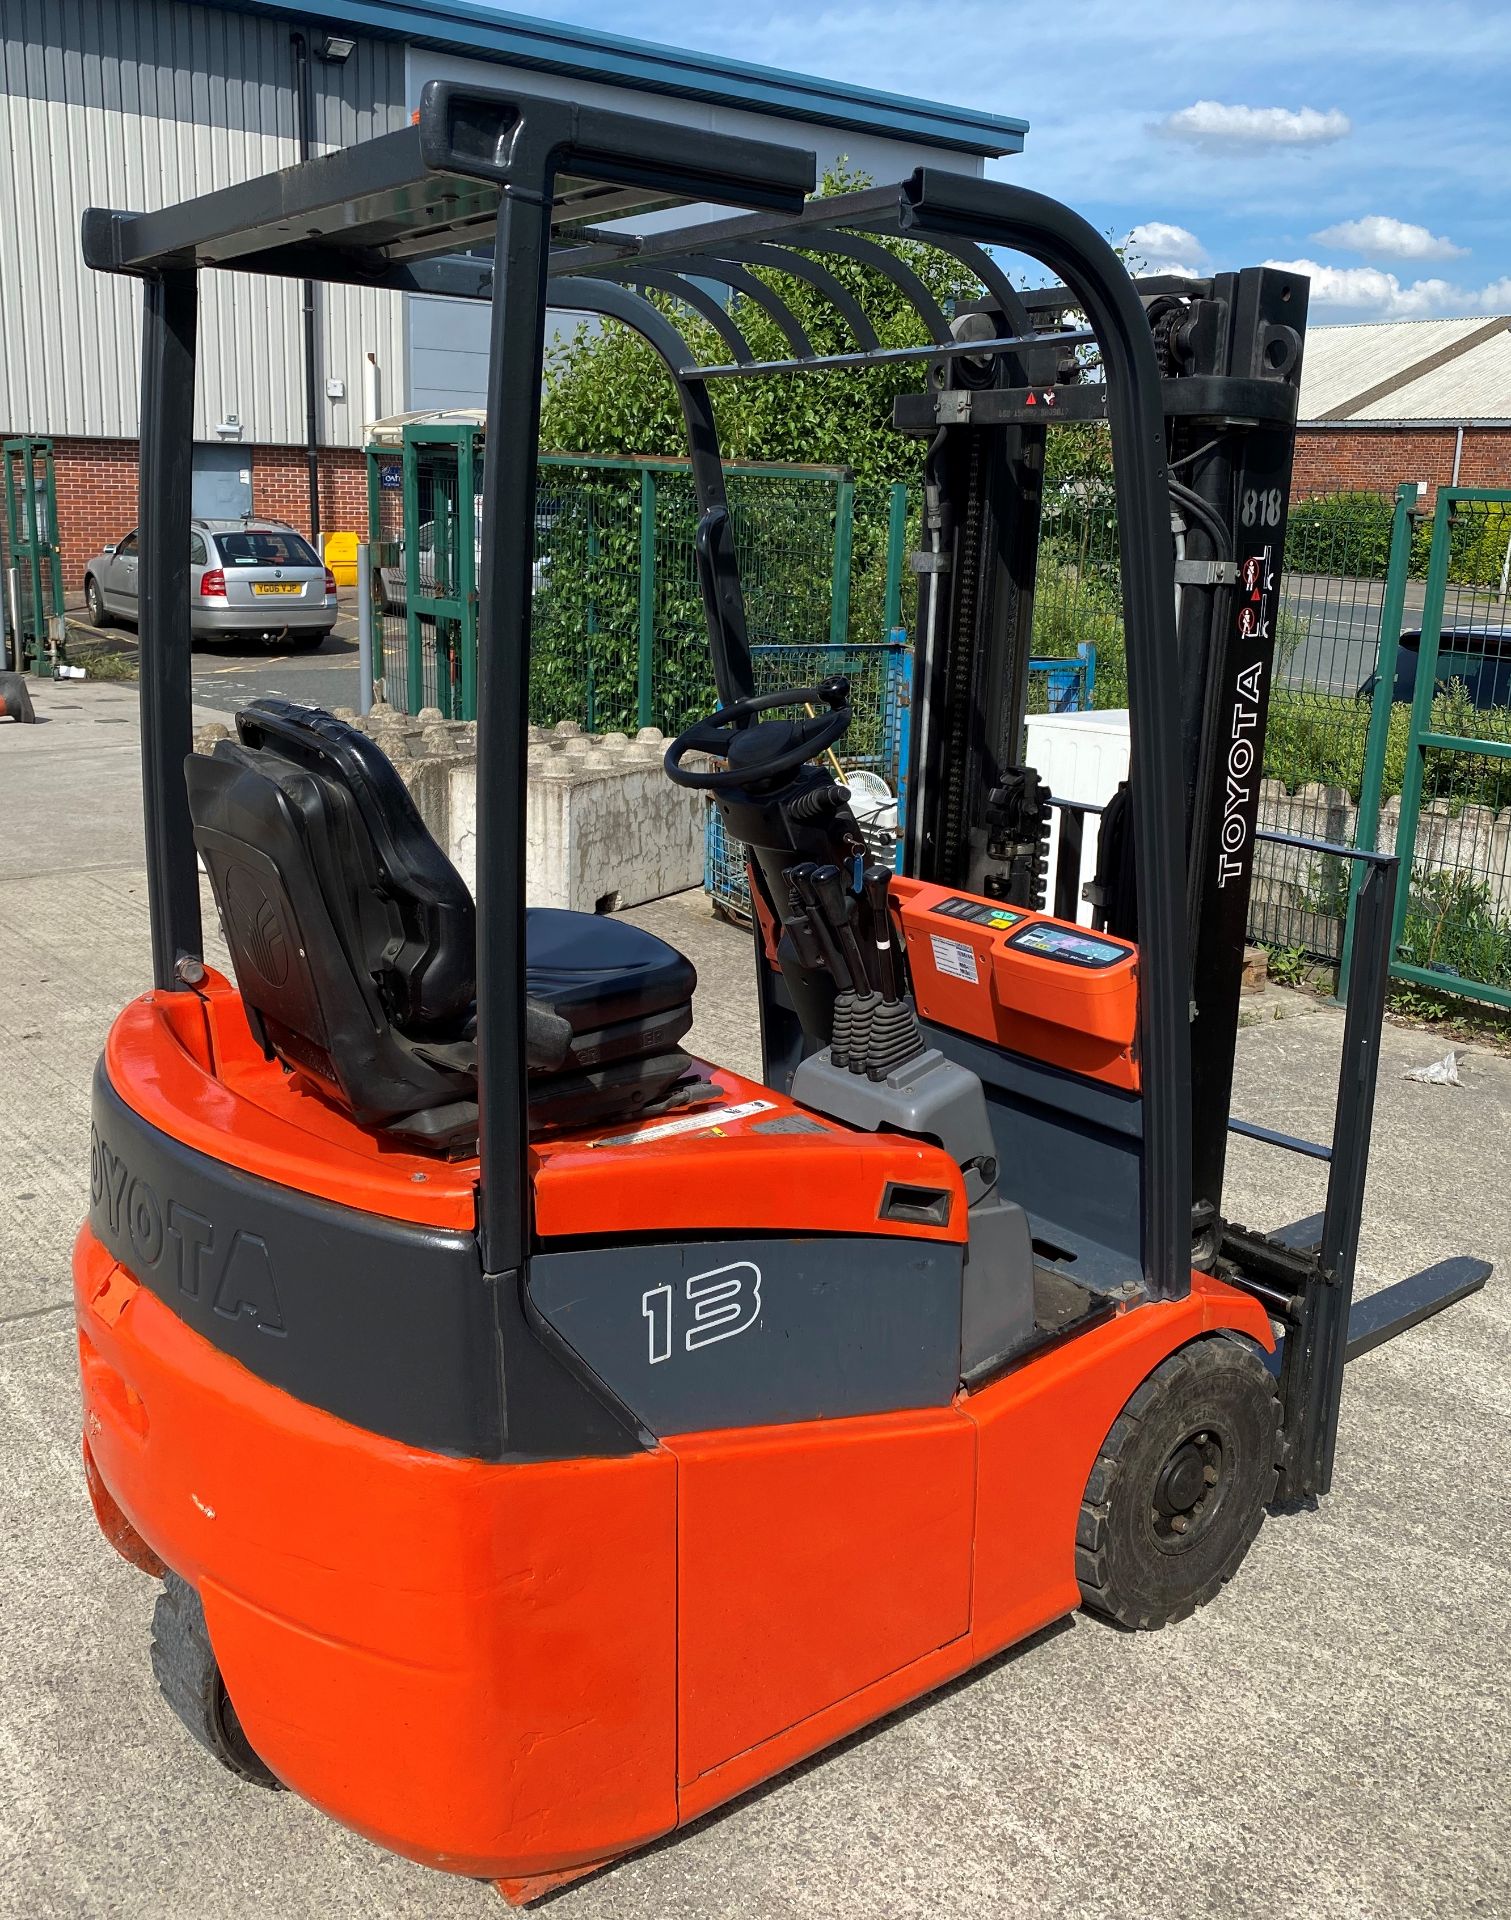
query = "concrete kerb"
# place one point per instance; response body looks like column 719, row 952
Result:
column 604, row 828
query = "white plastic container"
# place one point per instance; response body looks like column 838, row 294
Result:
column 1079, row 756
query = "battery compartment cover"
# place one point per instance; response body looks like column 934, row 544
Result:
column 1038, row 986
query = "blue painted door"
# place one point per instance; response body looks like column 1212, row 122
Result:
column 222, row 487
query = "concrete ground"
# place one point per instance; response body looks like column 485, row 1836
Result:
column 1331, row 1738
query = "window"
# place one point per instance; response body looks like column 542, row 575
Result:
column 126, row 550
column 264, row 547
column 198, row 553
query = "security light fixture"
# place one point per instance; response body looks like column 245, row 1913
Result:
column 337, row 48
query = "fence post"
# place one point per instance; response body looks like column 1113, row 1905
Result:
column 592, row 613
column 1421, row 710
column 1086, row 653
column 844, row 550
column 647, row 661
column 897, row 540
column 1377, row 740
column 466, row 570
column 414, row 676
column 364, row 626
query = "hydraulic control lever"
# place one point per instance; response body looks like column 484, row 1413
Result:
column 875, row 1028
column 800, row 928
column 801, row 878
column 876, row 886
column 838, row 905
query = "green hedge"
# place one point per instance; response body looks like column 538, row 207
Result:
column 1321, row 737
column 1348, row 534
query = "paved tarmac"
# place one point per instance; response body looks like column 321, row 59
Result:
column 1331, row 1738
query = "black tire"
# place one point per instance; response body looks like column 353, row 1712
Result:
column 305, row 642
column 99, row 615
column 191, row 1684
column 1180, row 1487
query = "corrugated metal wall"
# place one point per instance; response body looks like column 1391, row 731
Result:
column 124, row 104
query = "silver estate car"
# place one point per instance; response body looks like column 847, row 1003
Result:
column 253, row 579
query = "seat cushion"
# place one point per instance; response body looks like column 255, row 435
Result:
column 596, row 972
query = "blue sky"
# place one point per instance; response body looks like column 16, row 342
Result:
column 1370, row 140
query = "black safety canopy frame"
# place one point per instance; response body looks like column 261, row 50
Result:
column 534, row 180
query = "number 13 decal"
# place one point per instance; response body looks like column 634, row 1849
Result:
column 724, row 1301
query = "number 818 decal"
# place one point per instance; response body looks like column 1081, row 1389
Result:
column 724, row 1301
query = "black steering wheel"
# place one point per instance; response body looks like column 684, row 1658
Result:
column 757, row 754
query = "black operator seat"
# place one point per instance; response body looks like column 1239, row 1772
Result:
column 353, row 940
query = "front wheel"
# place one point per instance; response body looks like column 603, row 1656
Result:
column 98, row 616
column 1180, row 1487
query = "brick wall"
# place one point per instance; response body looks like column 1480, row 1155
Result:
column 281, row 487
column 1377, row 459
column 97, row 481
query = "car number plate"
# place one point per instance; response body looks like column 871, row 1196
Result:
column 275, row 586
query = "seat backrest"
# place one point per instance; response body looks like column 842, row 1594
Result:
column 351, row 934
column 430, row 982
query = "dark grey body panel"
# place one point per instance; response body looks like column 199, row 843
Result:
column 726, row 1333
column 1070, row 1152
column 382, row 1323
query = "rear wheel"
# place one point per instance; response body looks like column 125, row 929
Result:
column 305, row 642
column 98, row 615
column 191, row 1681
column 1180, row 1487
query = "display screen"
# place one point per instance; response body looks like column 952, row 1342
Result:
column 981, row 913
column 1057, row 942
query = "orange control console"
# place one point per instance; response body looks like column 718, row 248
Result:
column 1022, row 980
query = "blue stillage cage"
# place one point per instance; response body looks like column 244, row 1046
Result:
column 874, row 750
column 1067, row 683
column 874, row 753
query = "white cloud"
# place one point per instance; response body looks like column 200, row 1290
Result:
column 1380, row 295
column 1211, row 124
column 1158, row 240
column 1388, row 239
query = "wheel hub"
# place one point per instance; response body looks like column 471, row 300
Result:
column 1188, row 1490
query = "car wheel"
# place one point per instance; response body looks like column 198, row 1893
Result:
column 98, row 616
column 305, row 642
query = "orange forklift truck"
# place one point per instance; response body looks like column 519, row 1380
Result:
column 542, row 1436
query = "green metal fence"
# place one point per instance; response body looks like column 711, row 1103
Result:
column 1452, row 928
column 618, row 637
column 1336, row 599
column 31, row 568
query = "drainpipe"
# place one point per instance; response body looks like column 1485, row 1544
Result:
column 1458, row 456
column 370, row 400
column 302, row 117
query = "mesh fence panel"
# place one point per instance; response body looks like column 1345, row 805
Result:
column 1327, row 639
column 1457, row 920
column 879, row 679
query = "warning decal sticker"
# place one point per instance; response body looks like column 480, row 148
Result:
column 693, row 1123
column 954, row 957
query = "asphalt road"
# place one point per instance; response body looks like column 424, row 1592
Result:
column 227, row 673
column 1340, row 619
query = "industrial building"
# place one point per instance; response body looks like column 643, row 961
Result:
column 137, row 106
column 1394, row 400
